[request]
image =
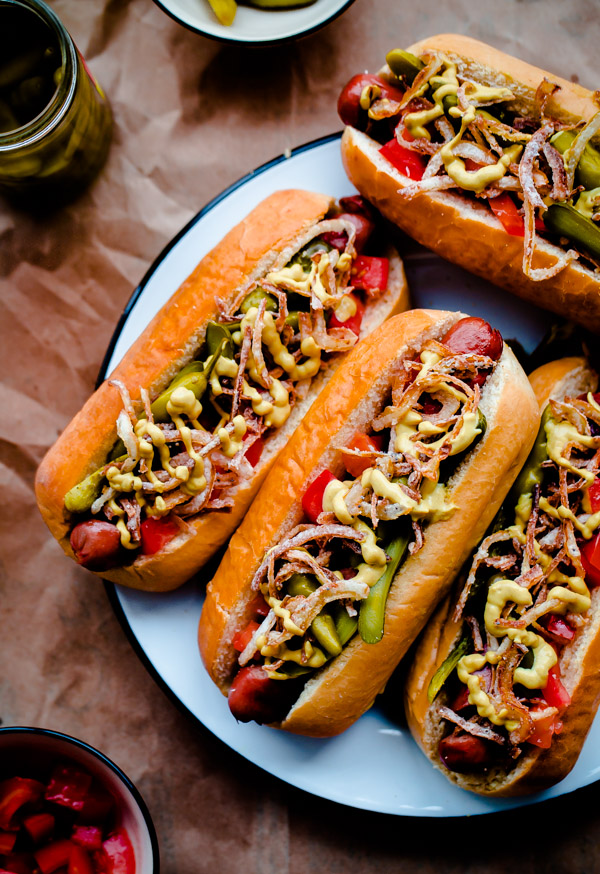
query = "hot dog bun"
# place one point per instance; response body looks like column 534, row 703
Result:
column 443, row 221
column 348, row 686
column 167, row 344
column 579, row 663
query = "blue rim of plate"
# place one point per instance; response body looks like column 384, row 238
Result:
column 25, row 730
column 255, row 43
column 111, row 589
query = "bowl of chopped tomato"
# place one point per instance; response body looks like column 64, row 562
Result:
column 65, row 808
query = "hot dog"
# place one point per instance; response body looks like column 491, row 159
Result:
column 156, row 471
column 361, row 525
column 506, row 679
column 489, row 161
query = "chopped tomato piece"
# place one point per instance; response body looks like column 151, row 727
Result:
column 544, row 727
column 87, row 836
column 462, row 699
column 554, row 692
column 370, row 273
column 559, row 628
column 357, row 464
column 80, row 862
column 242, row 638
column 7, row 841
column 505, row 209
column 363, row 225
column 119, row 852
column 254, row 452
column 353, row 322
column 590, row 558
column 14, row 793
column 259, row 607
column 409, row 163
column 594, row 495
column 97, row 807
column 53, row 856
column 312, row 500
column 39, row 826
column 156, row 532
column 68, row 787
column 18, row 863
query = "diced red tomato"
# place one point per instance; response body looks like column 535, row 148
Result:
column 429, row 406
column 348, row 572
column 354, row 322
column 68, row 787
column 356, row 464
column 87, row 836
column 54, row 856
column 80, row 862
column 370, row 273
column 7, row 841
column 506, row 210
column 559, row 628
column 156, row 532
column 39, row 826
column 312, row 500
column 14, row 793
column 462, row 699
column 18, row 863
column 254, row 452
column 409, row 163
column 242, row 638
column 590, row 559
column 97, row 807
column 555, row 693
column 544, row 728
column 119, row 852
column 594, row 495
column 259, row 607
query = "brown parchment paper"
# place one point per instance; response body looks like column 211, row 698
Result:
column 191, row 116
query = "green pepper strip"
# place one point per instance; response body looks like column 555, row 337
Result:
column 372, row 610
column 81, row 497
column 588, row 169
column 255, row 297
column 565, row 220
column 322, row 626
column 446, row 668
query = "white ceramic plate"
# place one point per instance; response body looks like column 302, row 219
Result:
column 374, row 765
column 252, row 25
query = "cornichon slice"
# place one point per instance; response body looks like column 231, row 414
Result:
column 446, row 668
column 80, row 498
column 372, row 610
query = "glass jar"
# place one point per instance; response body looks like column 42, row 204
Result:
column 63, row 120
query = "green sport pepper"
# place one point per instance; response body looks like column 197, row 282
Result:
column 372, row 610
column 80, row 498
column 446, row 668
column 322, row 626
column 255, row 297
column 404, row 64
column 588, row 168
column 565, row 220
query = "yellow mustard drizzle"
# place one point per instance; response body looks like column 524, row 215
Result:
column 223, row 367
column 588, row 202
column 443, row 85
column 121, row 526
column 586, row 528
column 559, row 435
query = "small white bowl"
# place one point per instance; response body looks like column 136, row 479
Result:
column 41, row 748
column 254, row 26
